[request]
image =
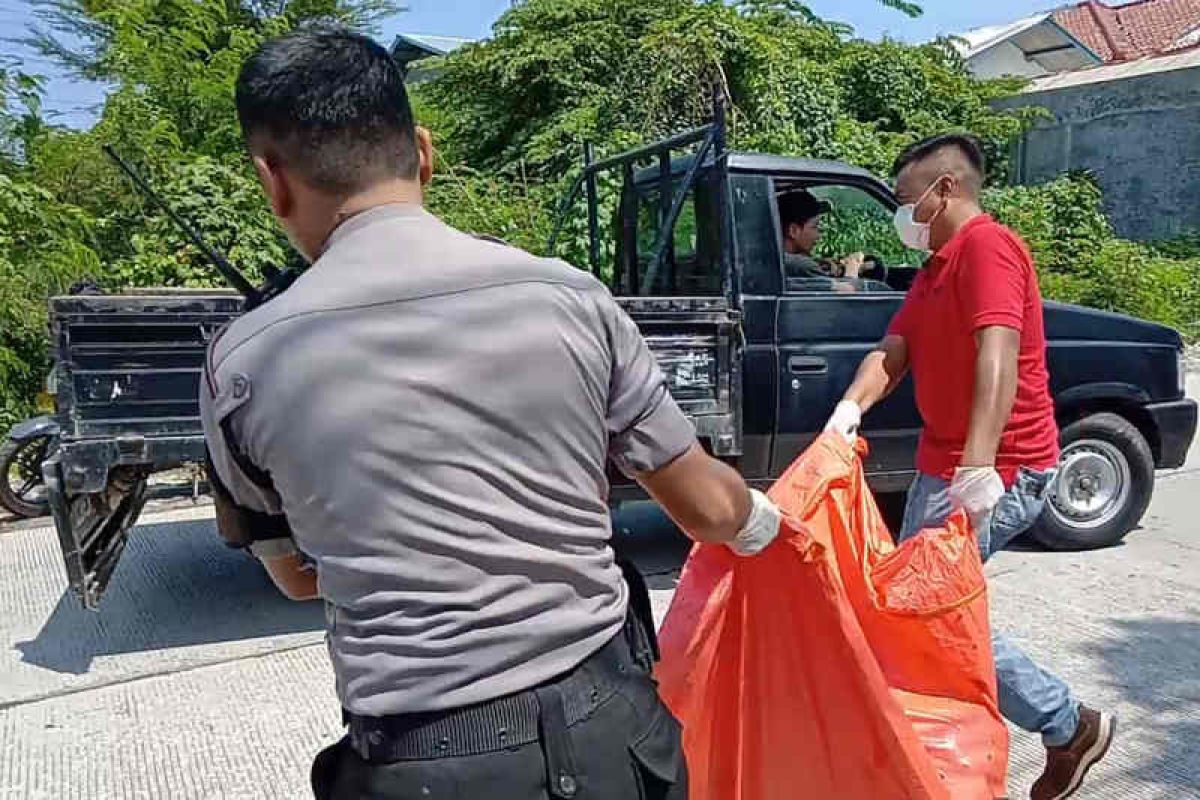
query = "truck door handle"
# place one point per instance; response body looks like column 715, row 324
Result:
column 807, row 365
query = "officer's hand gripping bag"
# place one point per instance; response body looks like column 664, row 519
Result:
column 836, row 665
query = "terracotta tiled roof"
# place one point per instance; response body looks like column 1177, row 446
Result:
column 1132, row 30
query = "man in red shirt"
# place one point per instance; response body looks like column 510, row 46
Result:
column 971, row 331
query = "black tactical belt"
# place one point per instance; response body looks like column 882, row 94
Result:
column 498, row 724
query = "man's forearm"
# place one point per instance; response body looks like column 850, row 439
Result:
column 995, row 392
column 871, row 382
column 879, row 373
column 705, row 497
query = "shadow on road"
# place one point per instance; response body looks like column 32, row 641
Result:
column 1153, row 664
column 177, row 585
column 643, row 533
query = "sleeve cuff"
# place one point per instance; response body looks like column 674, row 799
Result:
column 274, row 548
column 1003, row 319
column 655, row 440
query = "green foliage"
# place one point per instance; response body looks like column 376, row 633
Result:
column 1186, row 246
column 557, row 72
column 511, row 210
column 224, row 202
column 1062, row 220
column 1129, row 278
column 66, row 211
column 848, row 230
column 898, row 94
column 44, row 246
column 1081, row 261
column 20, row 107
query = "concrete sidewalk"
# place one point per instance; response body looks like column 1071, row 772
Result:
column 196, row 680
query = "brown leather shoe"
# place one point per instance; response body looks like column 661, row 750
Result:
column 1067, row 766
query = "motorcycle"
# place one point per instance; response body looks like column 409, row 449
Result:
column 28, row 444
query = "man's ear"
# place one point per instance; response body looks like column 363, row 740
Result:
column 425, row 151
column 276, row 186
column 947, row 185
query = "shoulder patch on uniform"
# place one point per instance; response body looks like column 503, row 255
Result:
column 234, row 393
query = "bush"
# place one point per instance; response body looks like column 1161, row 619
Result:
column 1130, row 278
column 510, row 209
column 557, row 72
column 1081, row 261
column 226, row 204
column 1186, row 246
column 1063, row 220
column 43, row 249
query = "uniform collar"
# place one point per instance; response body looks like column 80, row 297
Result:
column 356, row 222
column 937, row 264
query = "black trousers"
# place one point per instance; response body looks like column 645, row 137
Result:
column 600, row 733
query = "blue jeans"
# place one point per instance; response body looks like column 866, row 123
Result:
column 1030, row 697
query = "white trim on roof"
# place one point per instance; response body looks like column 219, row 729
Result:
column 1189, row 39
column 434, row 45
column 975, row 41
column 1031, row 47
column 1147, row 65
column 443, row 44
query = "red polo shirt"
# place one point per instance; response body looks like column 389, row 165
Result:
column 983, row 276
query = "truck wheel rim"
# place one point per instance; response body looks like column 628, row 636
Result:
column 1093, row 484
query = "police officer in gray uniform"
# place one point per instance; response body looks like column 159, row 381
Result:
column 427, row 417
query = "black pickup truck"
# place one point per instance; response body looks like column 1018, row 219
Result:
column 690, row 243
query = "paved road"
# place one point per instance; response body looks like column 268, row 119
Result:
column 196, row 680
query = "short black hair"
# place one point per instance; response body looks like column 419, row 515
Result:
column 967, row 145
column 798, row 207
column 331, row 105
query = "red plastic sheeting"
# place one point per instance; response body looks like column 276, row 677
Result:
column 835, row 664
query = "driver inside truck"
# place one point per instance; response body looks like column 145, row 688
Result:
column 800, row 223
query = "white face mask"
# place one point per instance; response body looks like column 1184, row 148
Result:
column 913, row 234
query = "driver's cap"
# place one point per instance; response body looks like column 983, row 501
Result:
column 799, row 206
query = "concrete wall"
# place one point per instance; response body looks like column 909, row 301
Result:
column 1140, row 136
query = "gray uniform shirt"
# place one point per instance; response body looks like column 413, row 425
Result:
column 435, row 413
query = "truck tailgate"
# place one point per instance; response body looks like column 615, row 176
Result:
column 697, row 342
column 128, row 374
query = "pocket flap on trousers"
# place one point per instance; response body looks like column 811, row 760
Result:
column 659, row 748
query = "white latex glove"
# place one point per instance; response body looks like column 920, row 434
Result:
column 761, row 527
column 976, row 490
column 847, row 416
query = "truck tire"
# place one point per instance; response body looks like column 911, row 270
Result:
column 22, row 490
column 1104, row 484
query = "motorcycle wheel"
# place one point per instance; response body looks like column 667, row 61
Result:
column 22, row 488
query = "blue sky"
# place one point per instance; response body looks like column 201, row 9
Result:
column 473, row 18
column 72, row 101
